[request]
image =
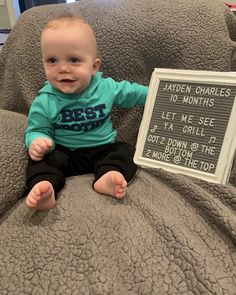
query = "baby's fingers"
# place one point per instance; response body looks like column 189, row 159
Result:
column 47, row 143
column 34, row 155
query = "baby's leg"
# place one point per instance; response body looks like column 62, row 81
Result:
column 41, row 197
column 111, row 183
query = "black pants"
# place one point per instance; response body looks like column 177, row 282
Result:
column 62, row 163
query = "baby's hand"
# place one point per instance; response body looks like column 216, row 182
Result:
column 39, row 147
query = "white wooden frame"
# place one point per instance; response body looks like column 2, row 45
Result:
column 13, row 11
column 227, row 151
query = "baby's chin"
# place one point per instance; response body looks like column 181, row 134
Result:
column 70, row 90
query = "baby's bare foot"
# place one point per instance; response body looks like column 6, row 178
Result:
column 111, row 183
column 41, row 197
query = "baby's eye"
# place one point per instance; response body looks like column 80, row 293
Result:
column 75, row 60
column 51, row 60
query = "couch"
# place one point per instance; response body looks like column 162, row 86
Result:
column 171, row 234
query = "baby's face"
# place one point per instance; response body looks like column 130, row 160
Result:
column 69, row 57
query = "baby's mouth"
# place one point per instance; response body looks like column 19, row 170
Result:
column 67, row 81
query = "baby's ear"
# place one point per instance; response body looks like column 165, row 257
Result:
column 96, row 65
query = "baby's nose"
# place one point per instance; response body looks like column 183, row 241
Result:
column 64, row 67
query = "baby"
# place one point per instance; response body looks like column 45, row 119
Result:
column 69, row 124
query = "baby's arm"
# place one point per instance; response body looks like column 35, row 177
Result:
column 128, row 95
column 39, row 147
column 39, row 137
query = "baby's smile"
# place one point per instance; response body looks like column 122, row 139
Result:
column 67, row 80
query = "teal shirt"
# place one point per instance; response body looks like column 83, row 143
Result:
column 81, row 120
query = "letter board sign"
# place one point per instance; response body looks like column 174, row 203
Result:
column 189, row 124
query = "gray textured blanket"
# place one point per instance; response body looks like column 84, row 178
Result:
column 171, row 234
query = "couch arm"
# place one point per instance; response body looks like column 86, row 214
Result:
column 13, row 158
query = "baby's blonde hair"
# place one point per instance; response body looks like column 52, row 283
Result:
column 65, row 20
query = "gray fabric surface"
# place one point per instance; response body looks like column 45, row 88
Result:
column 171, row 234
column 13, row 158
